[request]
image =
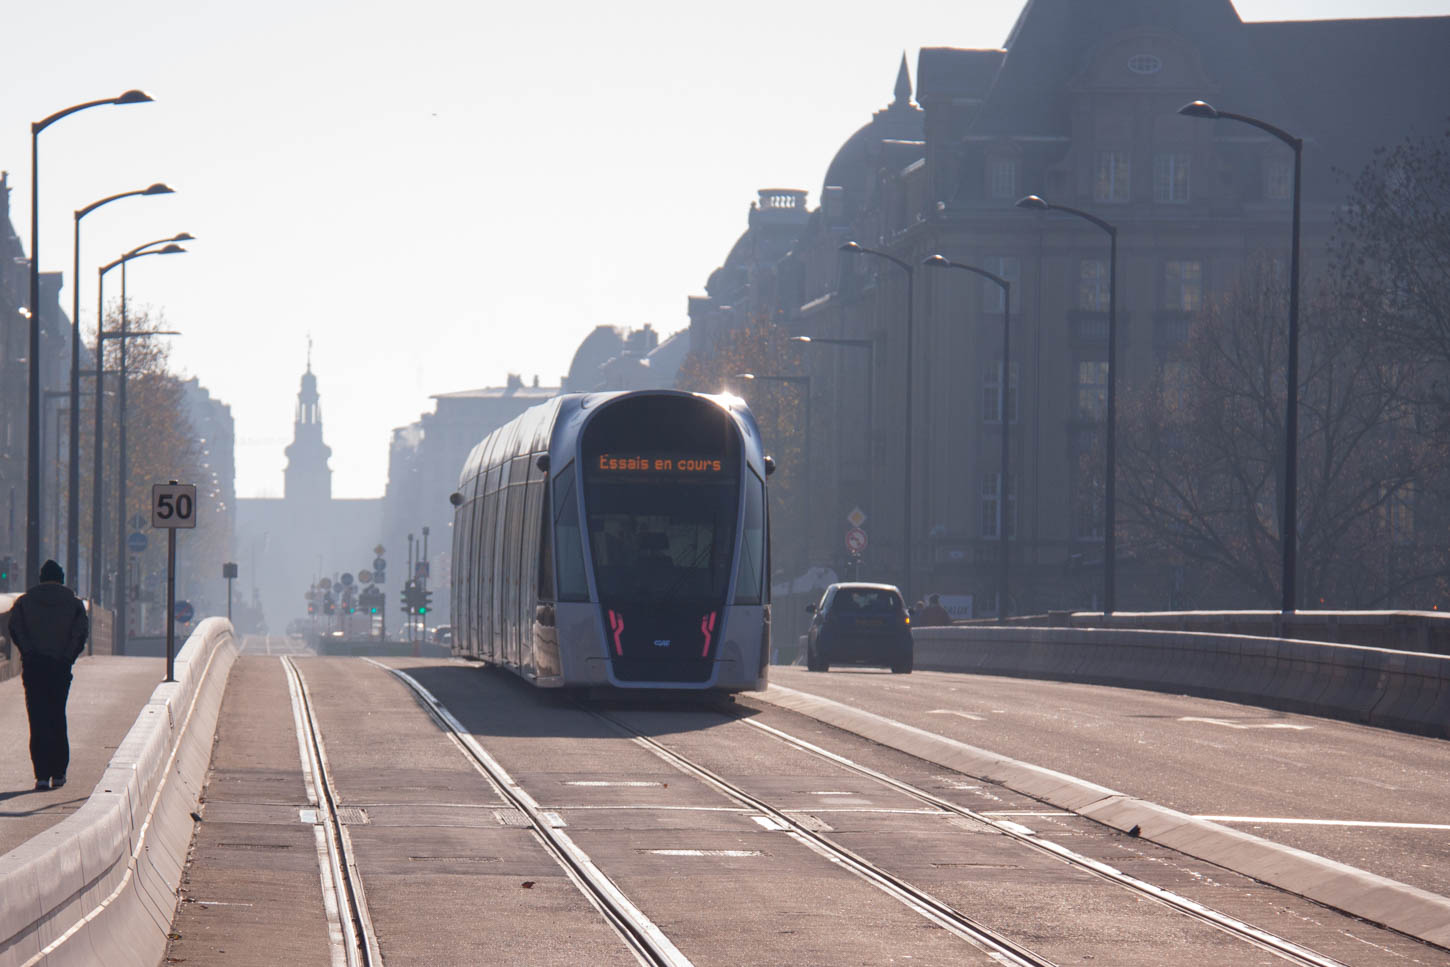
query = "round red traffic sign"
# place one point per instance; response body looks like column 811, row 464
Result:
column 855, row 540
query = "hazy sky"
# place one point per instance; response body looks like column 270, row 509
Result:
column 440, row 192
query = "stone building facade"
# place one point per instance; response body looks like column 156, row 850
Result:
column 1080, row 107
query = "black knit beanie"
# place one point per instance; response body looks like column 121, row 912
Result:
column 51, row 571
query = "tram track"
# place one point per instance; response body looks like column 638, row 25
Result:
column 648, row 943
column 353, row 939
column 997, row 944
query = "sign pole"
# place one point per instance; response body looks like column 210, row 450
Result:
column 173, row 505
column 170, row 604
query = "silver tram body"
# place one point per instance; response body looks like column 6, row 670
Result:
column 617, row 539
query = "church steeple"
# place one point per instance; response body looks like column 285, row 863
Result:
column 307, row 477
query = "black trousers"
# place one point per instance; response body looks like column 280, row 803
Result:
column 47, row 687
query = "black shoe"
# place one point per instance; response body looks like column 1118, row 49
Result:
column 42, row 784
column 57, row 781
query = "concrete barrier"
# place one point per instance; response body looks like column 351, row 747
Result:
column 1400, row 690
column 100, row 886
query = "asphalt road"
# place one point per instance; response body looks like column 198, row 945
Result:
column 449, row 879
column 1371, row 798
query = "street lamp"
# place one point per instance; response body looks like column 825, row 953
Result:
column 73, row 508
column 939, row 261
column 1110, row 561
column 32, row 451
column 853, row 248
column 804, row 381
column 1290, row 527
column 123, row 335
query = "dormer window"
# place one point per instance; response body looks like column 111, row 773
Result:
column 1145, row 64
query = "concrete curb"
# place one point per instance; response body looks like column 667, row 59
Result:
column 1410, row 910
column 1402, row 690
column 100, row 886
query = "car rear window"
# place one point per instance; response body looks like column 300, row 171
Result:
column 866, row 600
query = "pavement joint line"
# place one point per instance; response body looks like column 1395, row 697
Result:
column 1409, row 910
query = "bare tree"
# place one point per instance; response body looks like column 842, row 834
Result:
column 1203, row 457
column 1391, row 250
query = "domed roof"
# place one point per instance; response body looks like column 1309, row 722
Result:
column 852, row 167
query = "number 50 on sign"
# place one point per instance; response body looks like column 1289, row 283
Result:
column 173, row 505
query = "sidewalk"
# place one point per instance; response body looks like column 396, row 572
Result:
column 106, row 697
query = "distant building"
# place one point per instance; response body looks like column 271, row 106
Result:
column 285, row 545
column 55, row 335
column 1079, row 106
column 424, row 461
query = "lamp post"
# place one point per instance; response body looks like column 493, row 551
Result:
column 804, row 381
column 1110, row 545
column 939, row 261
column 1290, row 526
column 73, row 503
column 123, row 335
column 853, row 248
column 870, row 348
column 32, row 451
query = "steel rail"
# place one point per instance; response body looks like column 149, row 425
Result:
column 648, row 943
column 1263, row 939
column 343, row 894
column 999, row 947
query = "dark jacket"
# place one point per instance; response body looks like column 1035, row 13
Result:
column 49, row 621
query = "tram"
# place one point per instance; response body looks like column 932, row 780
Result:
column 617, row 539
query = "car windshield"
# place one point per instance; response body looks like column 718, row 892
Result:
column 866, row 601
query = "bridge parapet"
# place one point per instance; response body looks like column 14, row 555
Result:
column 1401, row 690
column 1423, row 631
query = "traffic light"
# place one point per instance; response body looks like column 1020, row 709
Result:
column 7, row 565
column 311, row 608
column 410, row 597
column 425, row 600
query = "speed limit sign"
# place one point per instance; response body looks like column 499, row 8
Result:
column 173, row 505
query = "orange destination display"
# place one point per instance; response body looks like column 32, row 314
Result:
column 658, row 463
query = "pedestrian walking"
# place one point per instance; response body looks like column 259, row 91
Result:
column 48, row 624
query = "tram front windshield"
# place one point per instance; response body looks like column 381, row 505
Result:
column 662, row 494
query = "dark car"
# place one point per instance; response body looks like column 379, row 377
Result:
column 859, row 624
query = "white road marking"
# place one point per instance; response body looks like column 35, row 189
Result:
column 705, row 852
column 605, row 782
column 1017, row 828
column 1027, row 812
column 949, row 711
column 1242, row 725
column 1322, row 822
column 770, row 823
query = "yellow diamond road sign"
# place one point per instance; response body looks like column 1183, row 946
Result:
column 856, row 517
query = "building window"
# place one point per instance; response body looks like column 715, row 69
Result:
column 1111, row 183
column 1002, row 178
column 1009, row 269
column 992, row 393
column 1170, row 178
column 1092, row 285
column 1092, row 390
column 1399, row 513
column 992, row 506
column 1183, row 286
column 1278, row 179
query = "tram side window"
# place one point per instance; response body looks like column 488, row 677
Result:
column 546, row 553
column 573, row 581
column 749, row 571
